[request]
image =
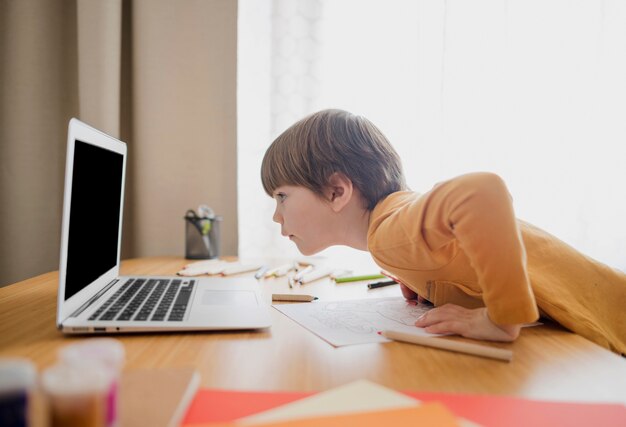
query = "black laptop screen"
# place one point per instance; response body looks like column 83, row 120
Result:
column 94, row 215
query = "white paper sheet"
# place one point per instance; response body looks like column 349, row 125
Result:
column 356, row 321
column 358, row 396
column 355, row 397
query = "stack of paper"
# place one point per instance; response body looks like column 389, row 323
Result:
column 222, row 406
column 360, row 403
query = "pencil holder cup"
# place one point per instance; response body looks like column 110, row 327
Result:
column 202, row 234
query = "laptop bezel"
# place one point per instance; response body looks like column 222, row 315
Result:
column 78, row 130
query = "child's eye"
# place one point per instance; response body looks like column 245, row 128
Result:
column 280, row 197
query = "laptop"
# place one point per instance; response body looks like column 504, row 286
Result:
column 93, row 297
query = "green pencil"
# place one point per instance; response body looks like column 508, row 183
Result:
column 358, row 278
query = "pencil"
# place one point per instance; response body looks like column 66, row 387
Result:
column 293, row 297
column 213, row 268
column 358, row 278
column 279, row 271
column 458, row 346
column 313, row 276
column 238, row 268
column 301, row 273
column 381, row 284
column 260, row 272
column 340, row 273
column 203, row 263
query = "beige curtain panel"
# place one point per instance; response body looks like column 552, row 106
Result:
column 159, row 74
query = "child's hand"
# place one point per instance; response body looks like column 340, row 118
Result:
column 410, row 294
column 470, row 323
column 407, row 293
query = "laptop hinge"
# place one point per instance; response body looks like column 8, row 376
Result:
column 93, row 299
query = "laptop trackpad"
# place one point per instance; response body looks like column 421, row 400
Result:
column 237, row 298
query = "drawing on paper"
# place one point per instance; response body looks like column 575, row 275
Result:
column 361, row 316
column 356, row 321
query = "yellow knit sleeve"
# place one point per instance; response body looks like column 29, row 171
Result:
column 476, row 210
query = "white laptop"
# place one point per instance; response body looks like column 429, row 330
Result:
column 93, row 297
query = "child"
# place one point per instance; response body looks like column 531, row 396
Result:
column 338, row 181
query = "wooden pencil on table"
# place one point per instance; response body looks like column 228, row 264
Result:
column 444, row 344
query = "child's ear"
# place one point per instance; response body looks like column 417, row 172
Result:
column 339, row 191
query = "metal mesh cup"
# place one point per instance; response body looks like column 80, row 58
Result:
column 202, row 236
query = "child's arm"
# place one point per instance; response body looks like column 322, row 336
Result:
column 476, row 211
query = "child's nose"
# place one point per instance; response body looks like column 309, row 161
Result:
column 277, row 217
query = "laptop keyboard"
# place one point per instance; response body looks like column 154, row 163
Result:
column 147, row 299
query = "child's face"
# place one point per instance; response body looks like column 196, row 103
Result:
column 304, row 217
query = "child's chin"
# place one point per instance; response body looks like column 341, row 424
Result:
column 309, row 251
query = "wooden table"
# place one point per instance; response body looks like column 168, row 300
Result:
column 549, row 362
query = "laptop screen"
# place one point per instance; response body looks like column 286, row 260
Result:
column 94, row 215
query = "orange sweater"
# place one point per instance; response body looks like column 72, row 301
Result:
column 460, row 243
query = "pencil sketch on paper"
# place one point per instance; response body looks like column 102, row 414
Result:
column 362, row 316
column 356, row 321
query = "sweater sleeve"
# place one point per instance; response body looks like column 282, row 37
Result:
column 476, row 210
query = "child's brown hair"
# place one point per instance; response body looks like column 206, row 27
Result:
column 330, row 141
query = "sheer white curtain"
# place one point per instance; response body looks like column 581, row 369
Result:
column 532, row 90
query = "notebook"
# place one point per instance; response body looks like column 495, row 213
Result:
column 156, row 397
column 93, row 297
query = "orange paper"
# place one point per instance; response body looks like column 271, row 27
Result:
column 426, row 415
column 494, row 411
column 488, row 411
column 224, row 405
